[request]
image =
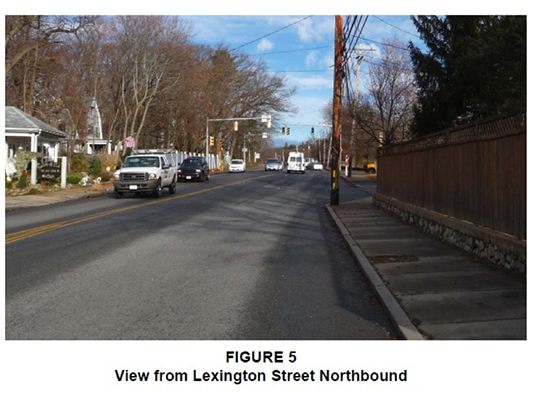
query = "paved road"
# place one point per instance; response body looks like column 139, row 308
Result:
column 244, row 256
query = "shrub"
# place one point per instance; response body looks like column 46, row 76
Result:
column 73, row 179
column 78, row 163
column 105, row 177
column 96, row 165
column 22, row 182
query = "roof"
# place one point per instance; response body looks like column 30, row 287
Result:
column 19, row 120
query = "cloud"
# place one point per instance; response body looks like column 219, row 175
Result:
column 265, row 45
column 312, row 58
column 316, row 29
column 311, row 81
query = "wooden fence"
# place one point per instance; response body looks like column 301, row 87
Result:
column 475, row 173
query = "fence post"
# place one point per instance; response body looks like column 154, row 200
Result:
column 33, row 179
column 63, row 173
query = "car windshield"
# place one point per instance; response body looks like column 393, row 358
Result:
column 192, row 163
column 237, row 162
column 270, row 161
column 141, row 162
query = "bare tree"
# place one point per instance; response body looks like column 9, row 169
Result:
column 386, row 111
column 30, row 40
column 144, row 58
column 150, row 81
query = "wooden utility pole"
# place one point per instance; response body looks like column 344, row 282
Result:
column 336, row 116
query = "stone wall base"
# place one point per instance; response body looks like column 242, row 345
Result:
column 496, row 247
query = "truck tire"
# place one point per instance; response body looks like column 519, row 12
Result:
column 157, row 192
column 172, row 188
column 118, row 195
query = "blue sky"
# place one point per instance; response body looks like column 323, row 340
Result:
column 297, row 45
column 300, row 48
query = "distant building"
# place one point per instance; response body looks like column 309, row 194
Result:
column 95, row 141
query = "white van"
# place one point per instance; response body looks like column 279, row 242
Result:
column 296, row 163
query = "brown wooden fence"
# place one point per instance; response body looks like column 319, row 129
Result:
column 476, row 173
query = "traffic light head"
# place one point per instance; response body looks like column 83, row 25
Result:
column 288, row 130
column 283, row 130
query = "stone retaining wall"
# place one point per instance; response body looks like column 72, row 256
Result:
column 498, row 248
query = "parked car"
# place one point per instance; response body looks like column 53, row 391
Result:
column 273, row 165
column 194, row 168
column 315, row 165
column 237, row 165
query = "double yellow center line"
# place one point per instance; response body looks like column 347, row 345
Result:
column 24, row 234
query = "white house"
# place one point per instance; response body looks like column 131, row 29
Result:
column 24, row 132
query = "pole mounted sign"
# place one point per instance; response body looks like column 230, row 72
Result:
column 48, row 172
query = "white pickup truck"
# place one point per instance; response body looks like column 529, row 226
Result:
column 148, row 170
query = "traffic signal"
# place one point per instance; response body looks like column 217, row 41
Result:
column 283, row 130
column 220, row 145
column 288, row 130
column 312, row 130
column 211, row 141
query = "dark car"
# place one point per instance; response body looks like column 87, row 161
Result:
column 194, row 168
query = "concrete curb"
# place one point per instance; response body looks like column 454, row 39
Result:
column 399, row 317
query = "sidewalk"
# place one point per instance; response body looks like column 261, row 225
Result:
column 52, row 197
column 430, row 289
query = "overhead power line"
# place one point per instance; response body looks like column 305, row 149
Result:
column 395, row 27
column 274, row 32
column 385, row 44
column 291, row 50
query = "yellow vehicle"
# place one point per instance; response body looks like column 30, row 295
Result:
column 371, row 168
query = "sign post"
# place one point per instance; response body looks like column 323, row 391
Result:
column 63, row 183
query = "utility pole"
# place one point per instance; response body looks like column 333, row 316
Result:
column 353, row 123
column 336, row 115
column 360, row 57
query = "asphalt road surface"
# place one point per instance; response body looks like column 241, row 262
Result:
column 244, row 256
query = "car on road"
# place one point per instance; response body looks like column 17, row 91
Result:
column 273, row 165
column 316, row 166
column 237, row 165
column 194, row 168
column 296, row 163
column 147, row 171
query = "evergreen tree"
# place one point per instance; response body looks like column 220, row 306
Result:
column 475, row 67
